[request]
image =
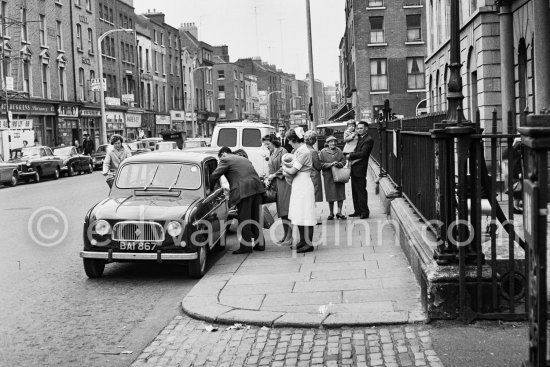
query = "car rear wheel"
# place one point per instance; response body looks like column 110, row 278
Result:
column 90, row 168
column 71, row 172
column 94, row 268
column 37, row 177
column 197, row 267
column 56, row 174
column 13, row 180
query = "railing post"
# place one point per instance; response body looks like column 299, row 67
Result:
column 535, row 139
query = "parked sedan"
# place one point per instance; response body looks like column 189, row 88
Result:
column 166, row 145
column 8, row 173
column 99, row 156
column 151, row 143
column 161, row 208
column 136, row 147
column 73, row 162
column 195, row 143
column 36, row 162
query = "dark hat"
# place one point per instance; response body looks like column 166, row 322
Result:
column 330, row 138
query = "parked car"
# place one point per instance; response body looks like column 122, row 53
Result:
column 8, row 173
column 160, row 208
column 36, row 162
column 136, row 147
column 195, row 143
column 73, row 162
column 151, row 143
column 99, row 156
column 166, row 145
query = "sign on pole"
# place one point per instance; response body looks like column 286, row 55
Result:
column 9, row 83
column 98, row 83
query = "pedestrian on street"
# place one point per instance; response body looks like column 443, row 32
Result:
column 246, row 191
column 310, row 139
column 359, row 164
column 116, row 153
column 88, row 146
column 301, row 211
column 284, row 140
column 276, row 178
column 25, row 143
column 332, row 156
column 77, row 146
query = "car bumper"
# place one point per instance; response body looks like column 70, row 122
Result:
column 27, row 174
column 138, row 255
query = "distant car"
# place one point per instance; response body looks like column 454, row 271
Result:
column 99, row 156
column 166, row 145
column 73, row 162
column 136, row 147
column 194, row 143
column 161, row 208
column 151, row 143
column 8, row 173
column 36, row 162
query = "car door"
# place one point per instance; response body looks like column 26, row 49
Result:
column 45, row 162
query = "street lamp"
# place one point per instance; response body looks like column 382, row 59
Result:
column 193, row 116
column 101, row 91
column 269, row 105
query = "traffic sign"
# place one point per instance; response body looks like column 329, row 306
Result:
column 96, row 84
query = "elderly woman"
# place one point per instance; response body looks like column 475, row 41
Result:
column 276, row 177
column 310, row 138
column 301, row 210
column 330, row 157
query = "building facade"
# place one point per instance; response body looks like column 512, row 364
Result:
column 252, row 101
column 382, row 57
column 229, row 92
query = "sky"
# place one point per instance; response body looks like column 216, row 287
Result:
column 275, row 30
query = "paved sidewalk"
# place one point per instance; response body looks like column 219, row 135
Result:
column 357, row 275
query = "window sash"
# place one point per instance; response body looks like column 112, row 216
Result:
column 375, row 3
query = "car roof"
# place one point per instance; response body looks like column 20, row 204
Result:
column 171, row 156
column 244, row 124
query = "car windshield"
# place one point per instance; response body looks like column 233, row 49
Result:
column 63, row 151
column 159, row 175
column 30, row 152
column 135, row 145
column 102, row 149
column 194, row 144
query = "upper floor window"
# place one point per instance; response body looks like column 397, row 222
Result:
column 89, row 5
column 413, row 2
column 415, row 73
column 375, row 3
column 378, row 75
column 24, row 29
column 414, row 28
column 90, row 40
column 59, row 35
column 376, row 29
column 42, row 23
column 221, row 74
column 79, row 36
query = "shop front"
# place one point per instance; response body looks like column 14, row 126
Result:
column 68, row 130
column 115, row 123
column 42, row 114
column 148, row 124
column 162, row 122
column 207, row 121
column 133, row 125
column 90, row 121
column 178, row 120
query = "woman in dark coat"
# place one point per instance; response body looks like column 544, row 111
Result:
column 310, row 138
column 276, row 177
column 333, row 156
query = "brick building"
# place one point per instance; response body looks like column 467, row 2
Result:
column 252, row 102
column 229, row 87
column 382, row 57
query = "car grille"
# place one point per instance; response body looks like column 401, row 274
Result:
column 138, row 231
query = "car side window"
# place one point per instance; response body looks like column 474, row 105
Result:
column 252, row 138
column 49, row 152
column 228, row 137
column 43, row 152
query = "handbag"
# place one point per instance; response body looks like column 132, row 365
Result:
column 270, row 194
column 268, row 219
column 341, row 175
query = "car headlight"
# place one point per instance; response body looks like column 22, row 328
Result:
column 28, row 164
column 174, row 228
column 102, row 227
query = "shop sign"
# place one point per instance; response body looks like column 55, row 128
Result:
column 18, row 124
column 68, row 111
column 127, row 98
column 114, row 117
column 112, row 101
column 177, row 116
column 133, row 120
column 189, row 116
column 24, row 107
column 90, row 113
column 162, row 120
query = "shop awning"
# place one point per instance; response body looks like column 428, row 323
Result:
column 344, row 112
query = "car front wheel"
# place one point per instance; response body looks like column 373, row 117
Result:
column 13, row 180
column 94, row 268
column 56, row 174
column 37, row 177
column 197, row 267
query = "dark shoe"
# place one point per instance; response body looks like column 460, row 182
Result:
column 364, row 216
column 330, row 217
column 241, row 251
column 259, row 248
column 354, row 215
column 518, row 210
column 340, row 216
column 305, row 248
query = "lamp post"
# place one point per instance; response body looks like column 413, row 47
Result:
column 193, row 115
column 269, row 105
column 312, row 100
column 101, row 91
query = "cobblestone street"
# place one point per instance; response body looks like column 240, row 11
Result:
column 186, row 342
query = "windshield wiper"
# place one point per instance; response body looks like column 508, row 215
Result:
column 152, row 179
column 175, row 181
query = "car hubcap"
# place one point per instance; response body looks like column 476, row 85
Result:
column 13, row 180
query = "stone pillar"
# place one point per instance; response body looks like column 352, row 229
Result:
column 507, row 62
column 542, row 54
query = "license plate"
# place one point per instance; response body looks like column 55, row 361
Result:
column 137, row 246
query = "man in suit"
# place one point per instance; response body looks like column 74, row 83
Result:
column 245, row 190
column 285, row 143
column 360, row 157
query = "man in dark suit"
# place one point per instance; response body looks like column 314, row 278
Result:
column 285, row 143
column 245, row 190
column 360, row 163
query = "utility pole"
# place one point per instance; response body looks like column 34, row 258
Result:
column 312, row 102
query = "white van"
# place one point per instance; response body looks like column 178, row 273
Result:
column 243, row 135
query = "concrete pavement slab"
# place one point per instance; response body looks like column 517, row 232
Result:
column 246, row 302
column 312, row 298
column 337, row 285
column 263, row 288
column 298, row 319
column 361, row 319
column 249, row 317
column 339, row 274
